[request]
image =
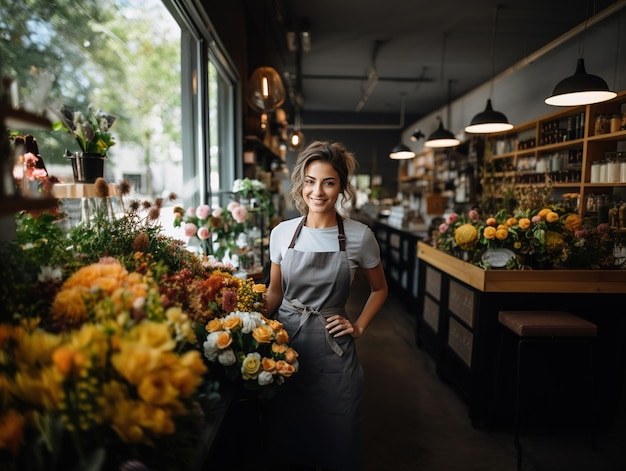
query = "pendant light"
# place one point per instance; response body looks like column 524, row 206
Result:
column 489, row 120
column 401, row 152
column 581, row 88
column 442, row 137
column 265, row 90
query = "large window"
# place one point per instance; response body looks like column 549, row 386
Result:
column 150, row 63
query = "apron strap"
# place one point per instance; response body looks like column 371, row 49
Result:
column 307, row 311
column 341, row 236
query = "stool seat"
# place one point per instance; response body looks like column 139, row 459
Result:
column 547, row 324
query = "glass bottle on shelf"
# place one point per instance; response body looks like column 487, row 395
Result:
column 595, row 171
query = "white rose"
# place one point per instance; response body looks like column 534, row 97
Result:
column 265, row 378
column 227, row 357
column 210, row 346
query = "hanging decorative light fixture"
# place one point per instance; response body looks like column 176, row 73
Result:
column 489, row 120
column 417, row 135
column 581, row 88
column 265, row 90
column 442, row 137
column 401, row 152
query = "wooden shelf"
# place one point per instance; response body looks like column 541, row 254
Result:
column 15, row 204
column 591, row 147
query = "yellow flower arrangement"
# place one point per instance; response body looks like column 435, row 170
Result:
column 539, row 238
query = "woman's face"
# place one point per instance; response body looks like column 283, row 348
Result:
column 321, row 187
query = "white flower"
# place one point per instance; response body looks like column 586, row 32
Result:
column 227, row 357
column 47, row 273
column 250, row 321
column 265, row 378
column 210, row 346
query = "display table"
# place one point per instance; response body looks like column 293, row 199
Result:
column 457, row 321
column 86, row 192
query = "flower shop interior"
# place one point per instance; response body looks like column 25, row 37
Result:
column 146, row 156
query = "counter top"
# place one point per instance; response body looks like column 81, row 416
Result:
column 524, row 281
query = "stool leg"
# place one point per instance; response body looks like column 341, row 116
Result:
column 518, row 405
column 592, row 400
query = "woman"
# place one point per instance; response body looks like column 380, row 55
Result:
column 317, row 415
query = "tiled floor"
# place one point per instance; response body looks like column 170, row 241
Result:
column 414, row 421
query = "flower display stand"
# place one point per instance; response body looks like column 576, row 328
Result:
column 457, row 322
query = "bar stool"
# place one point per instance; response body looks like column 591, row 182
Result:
column 552, row 327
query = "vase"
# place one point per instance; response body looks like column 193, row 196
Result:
column 87, row 167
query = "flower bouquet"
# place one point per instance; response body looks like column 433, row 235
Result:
column 218, row 230
column 252, row 349
column 91, row 131
column 111, row 370
column 536, row 238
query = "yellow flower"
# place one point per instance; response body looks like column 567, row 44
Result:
column 214, row 325
column 502, row 234
column 282, row 336
column 489, row 232
column 263, row 333
column 156, row 388
column 268, row 364
column 232, row 323
column 554, row 241
column 224, row 340
column 524, row 223
column 511, row 221
column 251, row 366
column 572, row 222
column 552, row 216
column 284, row 368
column 466, row 236
column 544, row 212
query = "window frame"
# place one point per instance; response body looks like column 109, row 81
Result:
column 199, row 46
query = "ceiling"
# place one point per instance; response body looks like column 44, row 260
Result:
column 410, row 56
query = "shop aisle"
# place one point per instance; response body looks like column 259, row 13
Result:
column 414, row 421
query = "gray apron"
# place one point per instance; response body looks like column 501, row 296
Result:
column 321, row 405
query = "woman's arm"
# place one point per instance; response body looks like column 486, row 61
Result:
column 339, row 325
column 275, row 290
column 376, row 299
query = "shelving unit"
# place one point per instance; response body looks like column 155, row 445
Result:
column 561, row 146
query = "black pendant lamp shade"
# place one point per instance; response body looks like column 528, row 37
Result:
column 441, row 138
column 401, row 152
column 580, row 89
column 489, row 121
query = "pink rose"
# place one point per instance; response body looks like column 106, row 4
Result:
column 536, row 218
column 452, row 218
column 203, row 233
column 217, row 212
column 473, row 215
column 232, row 205
column 191, row 212
column 203, row 211
column 443, row 227
column 240, row 213
column 190, row 229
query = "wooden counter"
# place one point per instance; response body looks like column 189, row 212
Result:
column 524, row 281
column 457, row 322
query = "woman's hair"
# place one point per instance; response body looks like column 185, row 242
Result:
column 335, row 154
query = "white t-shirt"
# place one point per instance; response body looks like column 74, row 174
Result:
column 361, row 244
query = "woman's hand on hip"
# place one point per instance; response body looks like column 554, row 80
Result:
column 338, row 326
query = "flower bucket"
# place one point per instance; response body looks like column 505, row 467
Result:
column 87, row 167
